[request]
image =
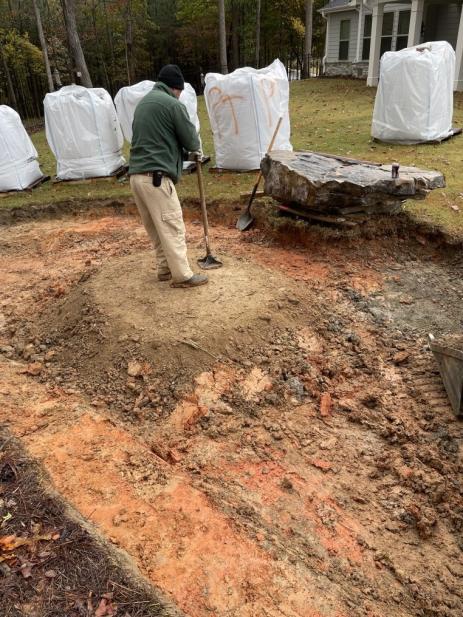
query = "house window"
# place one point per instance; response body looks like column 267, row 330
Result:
column 366, row 38
column 386, row 34
column 344, row 37
column 402, row 30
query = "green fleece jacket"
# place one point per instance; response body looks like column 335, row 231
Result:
column 162, row 131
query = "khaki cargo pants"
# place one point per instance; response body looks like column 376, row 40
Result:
column 162, row 217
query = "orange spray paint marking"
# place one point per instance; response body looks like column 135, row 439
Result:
column 223, row 100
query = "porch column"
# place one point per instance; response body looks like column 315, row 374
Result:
column 416, row 21
column 358, row 55
column 375, row 44
column 459, row 57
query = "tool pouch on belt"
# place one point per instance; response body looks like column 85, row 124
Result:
column 157, row 178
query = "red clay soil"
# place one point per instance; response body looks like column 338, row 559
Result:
column 294, row 457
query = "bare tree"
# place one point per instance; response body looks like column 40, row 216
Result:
column 258, row 33
column 307, row 38
column 222, row 38
column 129, row 43
column 43, row 45
column 11, row 92
column 82, row 75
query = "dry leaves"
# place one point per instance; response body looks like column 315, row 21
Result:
column 106, row 608
column 8, row 544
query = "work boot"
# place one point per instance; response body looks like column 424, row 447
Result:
column 164, row 276
column 195, row 281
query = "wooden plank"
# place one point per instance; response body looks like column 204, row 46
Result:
column 220, row 170
column 31, row 187
column 116, row 175
column 321, row 218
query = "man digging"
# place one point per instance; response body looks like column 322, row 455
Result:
column 162, row 131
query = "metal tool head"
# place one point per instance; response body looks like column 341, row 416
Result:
column 245, row 221
column 209, row 263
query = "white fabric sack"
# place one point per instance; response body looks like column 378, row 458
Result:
column 19, row 168
column 414, row 101
column 83, row 132
column 128, row 98
column 243, row 109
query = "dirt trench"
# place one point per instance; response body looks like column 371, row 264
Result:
column 275, row 443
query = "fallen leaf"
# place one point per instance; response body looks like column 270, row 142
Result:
column 105, row 608
column 26, row 570
column 50, row 573
column 9, row 543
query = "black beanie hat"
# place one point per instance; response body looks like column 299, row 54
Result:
column 172, row 76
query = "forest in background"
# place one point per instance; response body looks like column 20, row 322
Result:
column 124, row 41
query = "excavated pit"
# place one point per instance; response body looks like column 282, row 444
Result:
column 284, row 446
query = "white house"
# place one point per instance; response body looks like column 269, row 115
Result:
column 358, row 32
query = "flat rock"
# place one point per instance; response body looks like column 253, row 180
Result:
column 327, row 183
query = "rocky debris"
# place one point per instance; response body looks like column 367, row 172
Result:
column 34, row 369
column 336, row 185
column 400, row 357
column 134, row 368
column 325, row 405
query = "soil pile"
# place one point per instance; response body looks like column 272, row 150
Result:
column 135, row 343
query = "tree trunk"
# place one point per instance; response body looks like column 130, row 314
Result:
column 43, row 44
column 258, row 33
column 307, row 38
column 81, row 74
column 235, row 42
column 129, row 43
column 222, row 38
column 11, row 93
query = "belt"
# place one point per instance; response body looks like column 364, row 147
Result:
column 150, row 174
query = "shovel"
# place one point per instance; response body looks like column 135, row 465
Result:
column 209, row 262
column 246, row 220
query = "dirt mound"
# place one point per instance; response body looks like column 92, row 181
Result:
column 122, row 335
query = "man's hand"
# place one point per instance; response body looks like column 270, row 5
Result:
column 195, row 156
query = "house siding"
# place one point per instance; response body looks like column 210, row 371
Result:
column 332, row 51
column 442, row 23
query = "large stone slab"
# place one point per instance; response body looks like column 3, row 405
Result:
column 327, row 183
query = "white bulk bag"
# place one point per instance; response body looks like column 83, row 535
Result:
column 414, row 101
column 19, row 168
column 128, row 98
column 244, row 108
column 83, row 132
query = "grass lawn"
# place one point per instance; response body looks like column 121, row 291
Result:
column 329, row 115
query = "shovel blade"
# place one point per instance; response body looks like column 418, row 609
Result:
column 209, row 263
column 245, row 221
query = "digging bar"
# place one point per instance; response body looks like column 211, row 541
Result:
column 209, row 262
column 246, row 220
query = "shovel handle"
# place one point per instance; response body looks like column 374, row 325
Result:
column 275, row 133
column 269, row 149
column 202, row 196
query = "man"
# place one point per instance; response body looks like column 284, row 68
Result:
column 162, row 132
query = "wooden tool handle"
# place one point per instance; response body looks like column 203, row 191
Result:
column 275, row 133
column 202, row 196
column 269, row 149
